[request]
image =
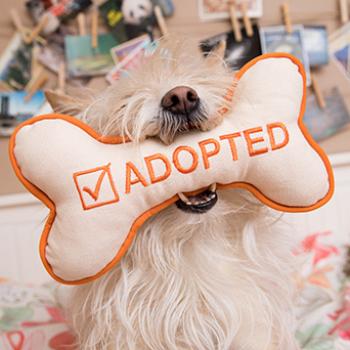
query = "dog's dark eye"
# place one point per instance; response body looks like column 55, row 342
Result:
column 142, row 7
column 132, row 14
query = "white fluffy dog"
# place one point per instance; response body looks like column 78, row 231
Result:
column 214, row 271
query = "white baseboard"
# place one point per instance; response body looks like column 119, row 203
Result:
column 18, row 199
column 340, row 159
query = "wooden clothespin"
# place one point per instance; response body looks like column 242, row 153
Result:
column 286, row 18
column 16, row 19
column 39, row 39
column 4, row 87
column 38, row 28
column 318, row 93
column 61, row 78
column 246, row 20
column 35, row 83
column 81, row 24
column 94, row 27
column 234, row 21
column 28, row 36
column 160, row 20
column 35, row 64
column 344, row 11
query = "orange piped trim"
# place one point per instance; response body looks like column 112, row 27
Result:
column 142, row 218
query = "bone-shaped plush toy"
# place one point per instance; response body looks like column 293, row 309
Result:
column 100, row 191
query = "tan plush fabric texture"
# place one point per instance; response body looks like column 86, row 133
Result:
column 97, row 212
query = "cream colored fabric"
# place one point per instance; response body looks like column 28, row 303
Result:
column 83, row 241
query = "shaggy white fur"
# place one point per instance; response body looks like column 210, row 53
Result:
column 215, row 281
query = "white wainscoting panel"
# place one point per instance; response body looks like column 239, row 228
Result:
column 335, row 215
column 22, row 218
column 21, row 221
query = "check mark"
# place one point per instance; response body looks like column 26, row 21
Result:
column 95, row 193
column 96, row 187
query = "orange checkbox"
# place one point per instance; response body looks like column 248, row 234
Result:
column 96, row 187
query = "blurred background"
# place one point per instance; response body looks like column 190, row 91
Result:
column 65, row 44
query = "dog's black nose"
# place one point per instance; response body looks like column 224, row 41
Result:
column 180, row 100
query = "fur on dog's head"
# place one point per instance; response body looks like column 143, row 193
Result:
column 176, row 89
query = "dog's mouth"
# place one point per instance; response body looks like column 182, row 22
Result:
column 173, row 124
column 200, row 203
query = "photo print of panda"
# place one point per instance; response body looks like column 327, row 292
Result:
column 129, row 19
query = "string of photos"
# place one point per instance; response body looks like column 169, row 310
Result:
column 71, row 42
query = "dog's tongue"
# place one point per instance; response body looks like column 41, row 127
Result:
column 199, row 203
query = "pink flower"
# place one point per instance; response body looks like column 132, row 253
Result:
column 321, row 251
